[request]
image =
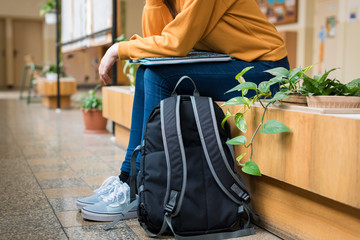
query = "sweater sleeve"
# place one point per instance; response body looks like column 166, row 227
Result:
column 177, row 38
column 155, row 17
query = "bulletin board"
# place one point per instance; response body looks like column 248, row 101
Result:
column 279, row 11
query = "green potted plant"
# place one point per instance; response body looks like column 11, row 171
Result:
column 324, row 92
column 48, row 9
column 290, row 83
column 265, row 98
column 91, row 107
column 51, row 72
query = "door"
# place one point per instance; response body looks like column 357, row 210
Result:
column 2, row 53
column 28, row 40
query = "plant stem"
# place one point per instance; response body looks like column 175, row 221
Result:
column 257, row 129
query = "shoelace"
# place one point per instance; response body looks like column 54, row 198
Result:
column 118, row 194
column 106, row 186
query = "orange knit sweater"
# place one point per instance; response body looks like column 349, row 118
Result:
column 234, row 27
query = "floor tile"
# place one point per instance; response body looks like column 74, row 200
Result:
column 50, row 168
column 45, row 161
column 54, row 175
column 121, row 232
column 45, row 233
column 64, row 204
column 34, row 221
column 68, row 192
column 73, row 219
column 62, row 183
column 35, row 151
column 137, row 229
column 75, row 154
column 30, row 203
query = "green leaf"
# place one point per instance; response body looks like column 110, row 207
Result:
column 251, row 168
column 236, row 101
column 275, row 80
column 325, row 75
column 236, row 88
column 228, row 114
column 295, row 72
column 239, row 158
column 279, row 71
column 285, row 91
column 239, row 140
column 264, row 87
column 248, row 85
column 278, row 96
column 353, row 87
column 274, row 126
column 240, row 122
column 244, row 86
column 239, row 75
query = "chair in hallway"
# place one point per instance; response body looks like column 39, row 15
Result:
column 31, row 70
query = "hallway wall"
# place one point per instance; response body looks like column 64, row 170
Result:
column 340, row 49
column 26, row 11
column 20, row 8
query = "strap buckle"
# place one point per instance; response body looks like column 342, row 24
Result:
column 242, row 194
column 169, row 207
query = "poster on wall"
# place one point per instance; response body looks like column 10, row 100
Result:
column 279, row 11
column 331, row 26
column 353, row 12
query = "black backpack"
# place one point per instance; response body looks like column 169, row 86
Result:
column 187, row 185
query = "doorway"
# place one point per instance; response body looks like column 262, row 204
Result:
column 28, row 40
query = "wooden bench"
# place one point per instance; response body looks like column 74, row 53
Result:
column 48, row 91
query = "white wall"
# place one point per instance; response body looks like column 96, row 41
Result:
column 340, row 51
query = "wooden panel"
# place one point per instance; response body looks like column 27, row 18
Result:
column 122, row 135
column 321, row 154
column 83, row 65
column 117, row 104
column 293, row 213
column 49, row 88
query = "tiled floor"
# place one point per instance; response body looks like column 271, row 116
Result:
column 46, row 164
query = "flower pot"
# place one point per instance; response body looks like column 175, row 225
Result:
column 50, row 18
column 94, row 122
column 333, row 102
column 295, row 99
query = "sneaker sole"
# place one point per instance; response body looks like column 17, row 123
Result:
column 98, row 217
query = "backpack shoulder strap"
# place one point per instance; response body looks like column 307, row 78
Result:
column 218, row 163
column 174, row 154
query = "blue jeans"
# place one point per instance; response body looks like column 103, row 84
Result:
column 154, row 83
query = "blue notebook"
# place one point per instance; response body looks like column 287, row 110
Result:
column 192, row 57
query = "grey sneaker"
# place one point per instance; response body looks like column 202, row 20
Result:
column 104, row 190
column 110, row 207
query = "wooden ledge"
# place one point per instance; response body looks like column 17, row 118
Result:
column 321, row 154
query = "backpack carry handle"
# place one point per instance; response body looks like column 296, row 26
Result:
column 196, row 92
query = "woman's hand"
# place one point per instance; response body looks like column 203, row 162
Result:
column 107, row 62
